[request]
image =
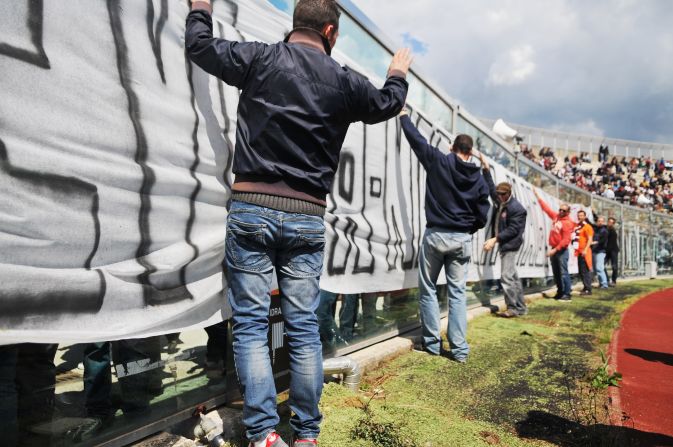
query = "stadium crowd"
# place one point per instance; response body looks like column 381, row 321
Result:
column 638, row 181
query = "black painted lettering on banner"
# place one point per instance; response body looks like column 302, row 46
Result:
column 34, row 22
column 55, row 297
column 154, row 32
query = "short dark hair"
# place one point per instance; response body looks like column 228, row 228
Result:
column 582, row 211
column 463, row 143
column 612, row 219
column 315, row 14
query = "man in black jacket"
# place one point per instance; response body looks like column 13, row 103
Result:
column 295, row 107
column 509, row 223
column 456, row 206
column 612, row 253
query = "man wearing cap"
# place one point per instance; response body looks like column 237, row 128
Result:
column 509, row 223
column 295, row 107
column 559, row 240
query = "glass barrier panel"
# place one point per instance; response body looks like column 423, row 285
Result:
column 663, row 245
column 428, row 102
column 374, row 57
column 284, row 5
column 362, row 47
column 536, row 177
column 607, row 208
column 93, row 392
column 635, row 233
column 347, row 319
column 482, row 142
column 505, row 158
column 571, row 195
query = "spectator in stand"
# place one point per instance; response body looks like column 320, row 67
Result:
column 582, row 239
column 559, row 240
column 600, row 249
column 612, row 250
column 612, row 181
column 608, row 192
column 642, row 199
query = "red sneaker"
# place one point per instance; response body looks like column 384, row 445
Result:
column 272, row 440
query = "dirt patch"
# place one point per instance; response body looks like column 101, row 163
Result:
column 490, row 438
column 594, row 313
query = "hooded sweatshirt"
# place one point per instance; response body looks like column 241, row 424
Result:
column 456, row 194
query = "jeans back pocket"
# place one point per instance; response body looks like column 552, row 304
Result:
column 245, row 248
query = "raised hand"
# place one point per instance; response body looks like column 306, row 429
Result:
column 401, row 62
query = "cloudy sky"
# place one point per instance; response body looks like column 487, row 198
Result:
column 600, row 67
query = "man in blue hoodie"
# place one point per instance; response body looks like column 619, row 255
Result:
column 456, row 206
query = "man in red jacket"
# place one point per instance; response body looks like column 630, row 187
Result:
column 559, row 240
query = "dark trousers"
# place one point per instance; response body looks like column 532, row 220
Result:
column 585, row 273
column 98, row 380
column 559, row 267
column 137, row 388
column 9, row 425
column 27, row 380
column 216, row 347
column 613, row 256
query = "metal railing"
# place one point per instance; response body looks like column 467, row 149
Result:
column 576, row 143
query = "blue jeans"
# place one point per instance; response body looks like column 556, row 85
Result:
column 559, row 266
column 259, row 241
column 450, row 250
column 600, row 269
column 347, row 317
column 98, row 380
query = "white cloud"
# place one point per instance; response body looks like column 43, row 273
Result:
column 546, row 62
column 513, row 67
column 588, row 127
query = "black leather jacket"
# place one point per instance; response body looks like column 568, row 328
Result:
column 295, row 106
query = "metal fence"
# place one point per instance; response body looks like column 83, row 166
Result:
column 575, row 143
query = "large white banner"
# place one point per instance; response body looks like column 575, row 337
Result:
column 115, row 171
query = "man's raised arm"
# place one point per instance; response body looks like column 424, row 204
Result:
column 546, row 208
column 424, row 151
column 227, row 60
column 374, row 105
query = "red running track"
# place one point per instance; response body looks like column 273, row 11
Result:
column 642, row 351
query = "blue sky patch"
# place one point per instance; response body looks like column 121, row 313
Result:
column 417, row 46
